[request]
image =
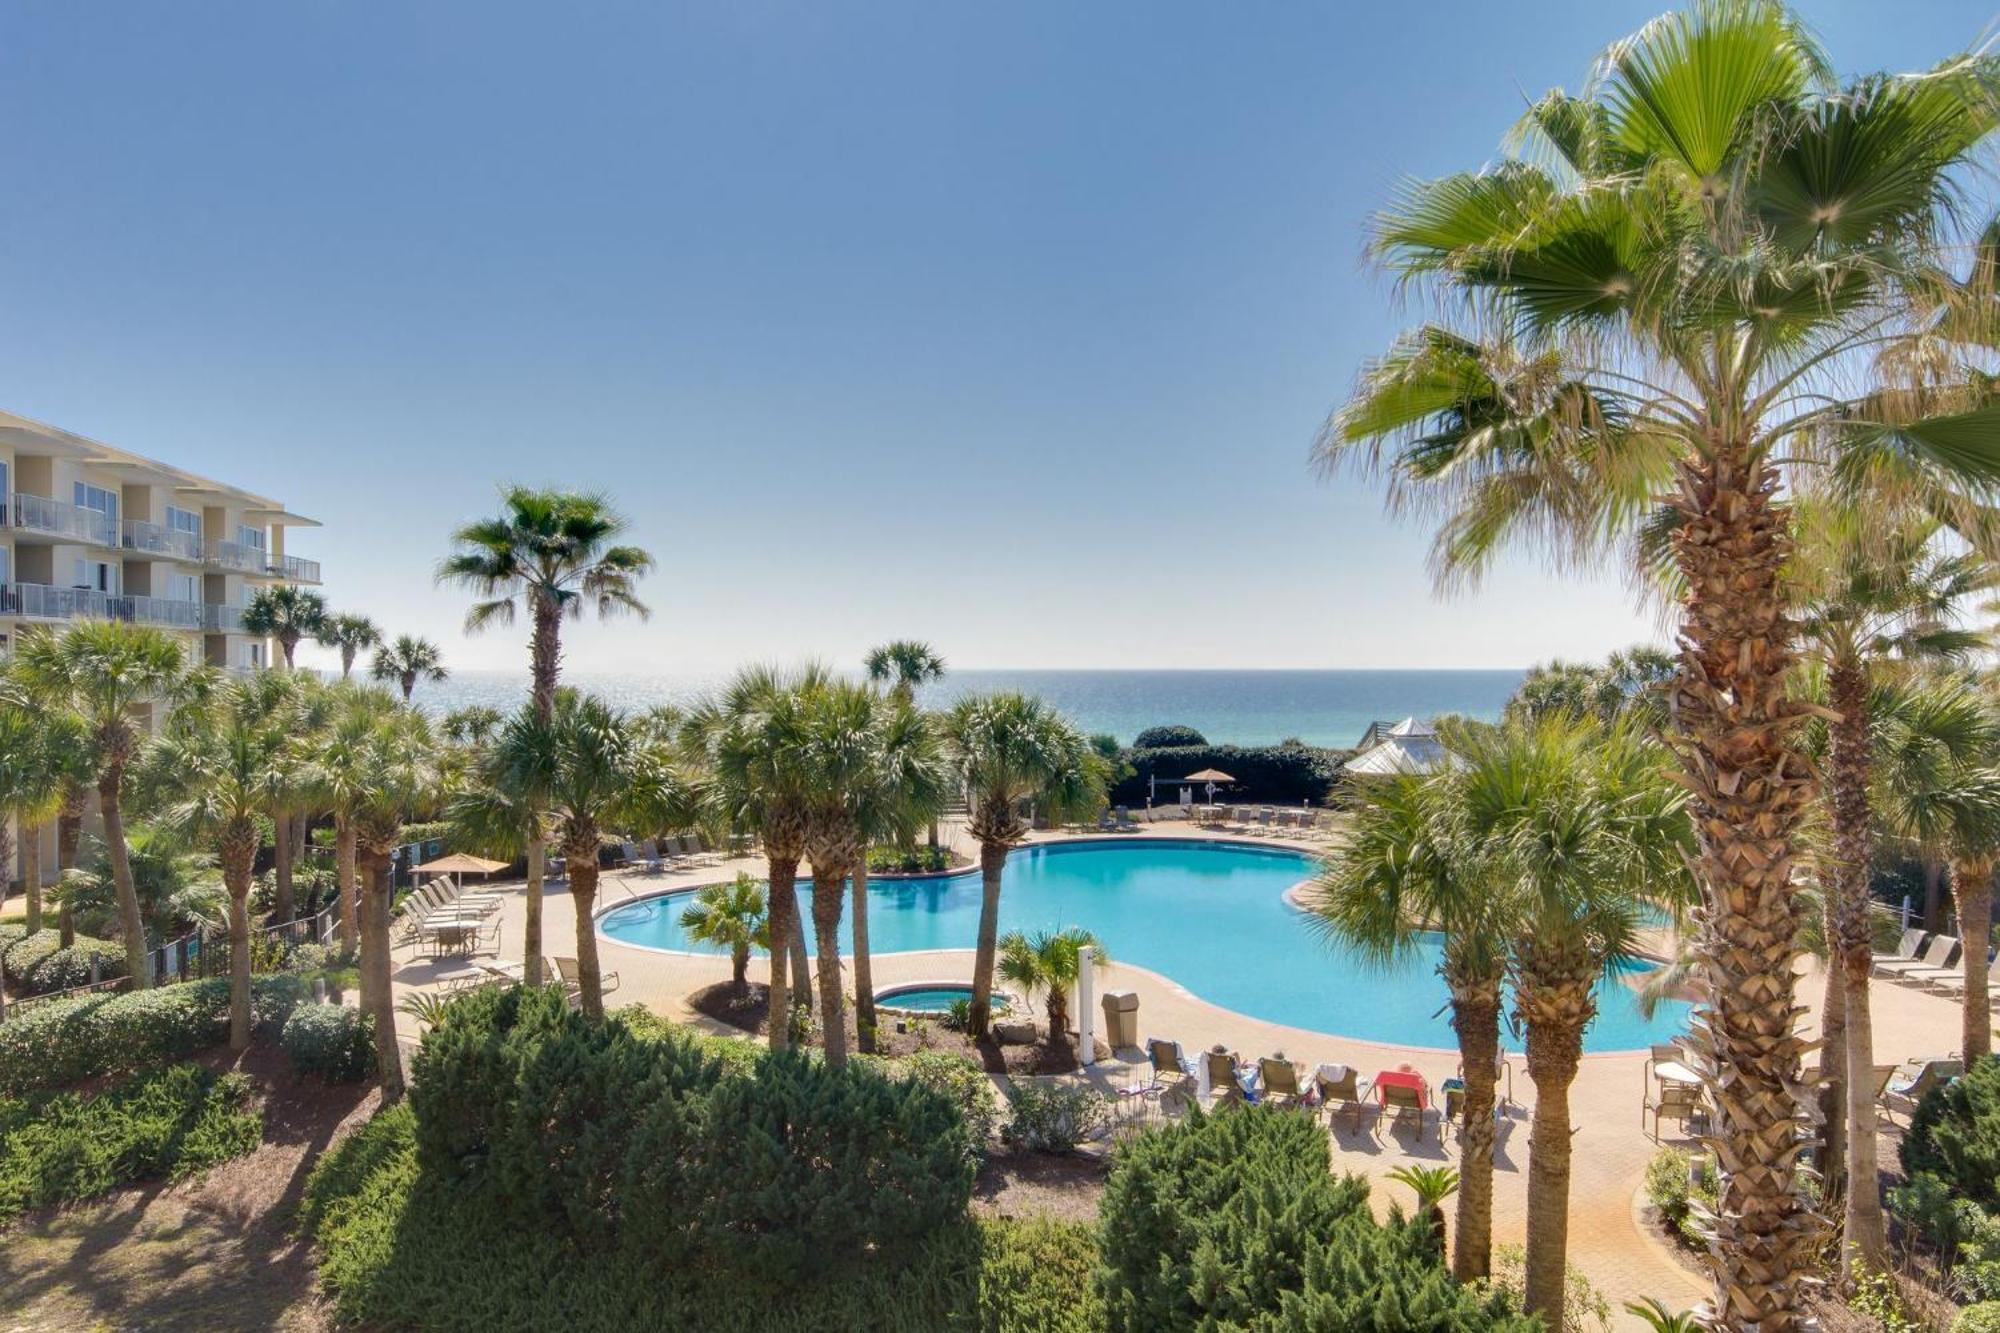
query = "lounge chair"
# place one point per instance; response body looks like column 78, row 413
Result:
column 1908, row 949
column 1914, row 1079
column 1401, row 1100
column 1280, row 1080
column 1171, row 1072
column 572, row 977
column 1125, row 824
column 1225, row 1078
column 1339, row 1086
column 1106, row 823
column 1944, row 978
column 1943, row 949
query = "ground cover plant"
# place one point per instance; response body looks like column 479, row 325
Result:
column 65, row 1147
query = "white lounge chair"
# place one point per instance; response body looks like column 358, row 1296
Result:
column 1908, row 949
column 1942, row 951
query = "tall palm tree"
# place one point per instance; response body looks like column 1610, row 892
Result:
column 397, row 769
column 1423, row 855
column 1005, row 751
column 733, row 916
column 907, row 788
column 1715, row 264
column 287, row 613
column 1938, row 787
column 903, row 665
column 224, row 760
column 41, row 755
column 592, row 770
column 110, row 674
column 408, row 660
column 748, row 740
column 350, row 632
column 1050, row 962
column 337, row 778
column 550, row 553
column 1874, row 590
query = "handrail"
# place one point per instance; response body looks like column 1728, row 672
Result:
column 14, row 1007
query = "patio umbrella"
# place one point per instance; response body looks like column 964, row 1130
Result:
column 458, row 863
column 1209, row 775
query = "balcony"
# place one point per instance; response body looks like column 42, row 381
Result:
column 39, row 516
column 161, row 612
column 292, row 569
column 236, row 556
column 39, row 601
column 222, row 619
column 152, row 539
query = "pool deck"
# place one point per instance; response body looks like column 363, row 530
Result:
column 1606, row 1240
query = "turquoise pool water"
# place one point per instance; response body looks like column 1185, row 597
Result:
column 1210, row 915
column 928, row 999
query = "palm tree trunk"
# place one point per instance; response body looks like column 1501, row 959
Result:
column 1849, row 1036
column 1865, row 1235
column 1972, row 891
column 531, row 928
column 1933, row 894
column 829, row 882
column 545, row 654
column 345, row 885
column 69, row 833
column 111, row 807
column 801, row 965
column 1476, row 1018
column 284, row 905
column 992, row 860
column 739, row 966
column 378, row 992
column 1832, row 1157
column 7, row 859
column 31, row 874
column 236, row 877
column 347, row 651
column 288, row 644
column 583, row 893
column 783, row 873
column 1750, row 788
column 1554, row 996
column 864, row 970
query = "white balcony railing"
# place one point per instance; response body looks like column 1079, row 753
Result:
column 38, row 513
column 292, row 569
column 156, row 540
column 39, row 601
column 163, row 612
column 222, row 619
column 235, row 555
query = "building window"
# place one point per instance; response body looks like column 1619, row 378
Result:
column 249, row 536
column 184, row 587
column 183, row 520
column 6, row 565
column 97, row 575
column 253, row 655
column 97, row 497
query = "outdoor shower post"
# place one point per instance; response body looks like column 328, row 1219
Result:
column 1086, row 1007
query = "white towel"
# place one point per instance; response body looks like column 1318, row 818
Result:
column 1334, row 1073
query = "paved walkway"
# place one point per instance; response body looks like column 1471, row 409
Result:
column 1607, row 1167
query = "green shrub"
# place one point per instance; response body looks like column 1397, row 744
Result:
column 1053, row 1117
column 1668, row 1189
column 966, row 1084
column 1955, row 1134
column 1981, row 1318
column 1877, row 1296
column 1286, row 774
column 1171, row 737
column 908, row 860
column 1236, row 1220
column 1584, row 1307
column 330, row 1042
column 59, row 1042
column 38, row 965
column 61, row 1148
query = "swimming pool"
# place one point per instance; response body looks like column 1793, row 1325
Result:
column 1210, row 915
column 937, row 998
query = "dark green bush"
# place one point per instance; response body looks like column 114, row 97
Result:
column 1236, row 1221
column 59, row 1042
column 1955, row 1134
column 1285, row 774
column 1053, row 1117
column 1170, row 737
column 38, row 965
column 61, row 1148
column 962, row 1080
column 331, row 1042
column 921, row 860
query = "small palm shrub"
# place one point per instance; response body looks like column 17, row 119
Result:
column 1955, row 1134
column 1053, row 1117
column 61, row 1148
column 330, row 1042
column 60, row 1042
column 1237, row 1221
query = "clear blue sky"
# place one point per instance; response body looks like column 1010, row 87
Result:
column 1005, row 325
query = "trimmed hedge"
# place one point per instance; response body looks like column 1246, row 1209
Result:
column 330, row 1042
column 1235, row 1220
column 63, row 1148
column 1168, row 738
column 60, row 1042
column 1955, row 1134
column 1288, row 773
column 38, row 965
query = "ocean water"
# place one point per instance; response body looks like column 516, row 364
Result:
column 1210, row 915
column 1228, row 707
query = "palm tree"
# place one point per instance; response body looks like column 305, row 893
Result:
column 287, row 613
column 41, row 754
column 1939, row 788
column 731, row 915
column 591, row 769
column 474, row 725
column 1873, row 589
column 395, row 759
column 1712, row 266
column 1422, row 854
column 407, row 661
column 337, row 778
column 1052, row 963
column 552, row 553
column 1006, row 750
column 110, row 674
column 904, row 664
column 225, row 759
column 1432, row 1185
column 349, row 632
column 748, row 740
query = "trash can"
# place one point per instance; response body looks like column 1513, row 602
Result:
column 1121, row 1019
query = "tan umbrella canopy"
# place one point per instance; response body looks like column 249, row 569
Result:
column 458, row 863
column 1209, row 775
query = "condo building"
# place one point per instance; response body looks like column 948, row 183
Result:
column 89, row 530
